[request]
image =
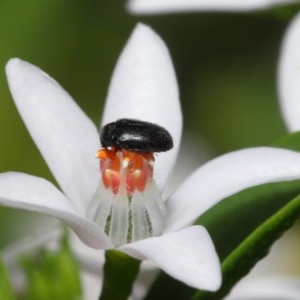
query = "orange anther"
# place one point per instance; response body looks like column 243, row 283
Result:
column 106, row 179
column 106, row 154
column 140, row 179
column 118, row 162
column 115, row 181
column 130, row 184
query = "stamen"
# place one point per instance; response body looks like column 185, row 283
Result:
column 127, row 204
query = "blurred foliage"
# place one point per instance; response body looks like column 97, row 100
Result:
column 6, row 289
column 52, row 275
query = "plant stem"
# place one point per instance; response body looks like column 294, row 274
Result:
column 120, row 271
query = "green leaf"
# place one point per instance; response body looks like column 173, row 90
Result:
column 53, row 275
column 253, row 248
column 120, row 271
column 6, row 290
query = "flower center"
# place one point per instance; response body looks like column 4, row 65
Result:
column 127, row 204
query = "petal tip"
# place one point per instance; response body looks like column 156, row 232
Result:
column 289, row 75
column 15, row 68
column 12, row 64
column 143, row 32
column 216, row 282
column 141, row 27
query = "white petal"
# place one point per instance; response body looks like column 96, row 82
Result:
column 67, row 139
column 90, row 283
column 144, row 87
column 227, row 175
column 289, row 76
column 32, row 193
column 171, row 6
column 187, row 255
column 275, row 288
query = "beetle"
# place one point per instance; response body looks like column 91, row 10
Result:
column 136, row 136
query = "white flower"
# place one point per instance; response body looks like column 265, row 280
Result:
column 289, row 76
column 144, row 87
column 177, row 6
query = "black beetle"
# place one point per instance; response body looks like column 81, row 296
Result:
column 135, row 135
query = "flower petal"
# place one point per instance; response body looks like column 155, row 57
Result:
column 67, row 139
column 144, row 87
column 32, row 193
column 227, row 175
column 171, row 6
column 187, row 255
column 277, row 287
column 289, row 76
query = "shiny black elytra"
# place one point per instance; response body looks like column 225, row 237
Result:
column 135, row 135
